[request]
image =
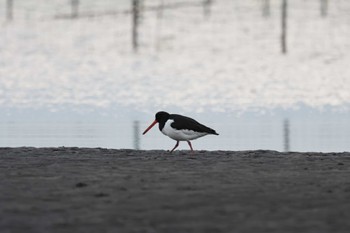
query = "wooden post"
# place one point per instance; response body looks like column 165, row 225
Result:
column 136, row 135
column 75, row 9
column 284, row 26
column 9, row 10
column 206, row 7
column 159, row 24
column 160, row 9
column 324, row 8
column 266, row 8
column 286, row 135
column 135, row 24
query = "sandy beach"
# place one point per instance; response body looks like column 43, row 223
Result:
column 105, row 190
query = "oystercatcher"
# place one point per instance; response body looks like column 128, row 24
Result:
column 180, row 128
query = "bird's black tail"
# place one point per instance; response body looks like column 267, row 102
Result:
column 211, row 131
column 214, row 132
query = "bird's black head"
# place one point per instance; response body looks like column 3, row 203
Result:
column 162, row 116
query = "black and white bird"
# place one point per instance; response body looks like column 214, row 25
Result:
column 180, row 128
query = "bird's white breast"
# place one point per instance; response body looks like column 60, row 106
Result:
column 180, row 134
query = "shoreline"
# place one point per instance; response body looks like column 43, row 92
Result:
column 108, row 190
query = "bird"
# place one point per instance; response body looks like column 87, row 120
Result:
column 180, row 128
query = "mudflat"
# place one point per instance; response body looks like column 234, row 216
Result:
column 105, row 190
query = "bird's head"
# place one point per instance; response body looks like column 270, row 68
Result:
column 160, row 117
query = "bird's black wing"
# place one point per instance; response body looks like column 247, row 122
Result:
column 183, row 122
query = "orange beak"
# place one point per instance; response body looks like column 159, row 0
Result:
column 150, row 127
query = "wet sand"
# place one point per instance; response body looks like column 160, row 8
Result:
column 100, row 190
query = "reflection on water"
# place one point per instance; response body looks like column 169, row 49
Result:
column 46, row 134
column 240, row 134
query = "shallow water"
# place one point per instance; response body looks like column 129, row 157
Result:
column 306, row 133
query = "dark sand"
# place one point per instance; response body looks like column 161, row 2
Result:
column 100, row 190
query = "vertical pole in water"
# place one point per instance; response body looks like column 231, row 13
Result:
column 286, row 135
column 206, row 7
column 75, row 9
column 159, row 24
column 266, row 8
column 9, row 10
column 324, row 8
column 135, row 23
column 136, row 135
column 284, row 27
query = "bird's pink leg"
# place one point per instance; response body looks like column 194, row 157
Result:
column 189, row 143
column 177, row 144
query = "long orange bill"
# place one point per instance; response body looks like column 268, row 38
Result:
column 149, row 127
